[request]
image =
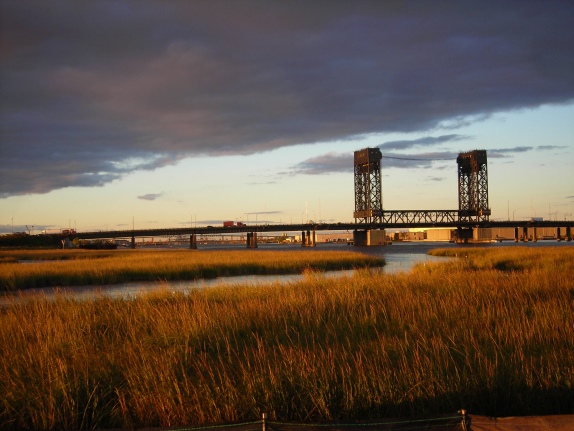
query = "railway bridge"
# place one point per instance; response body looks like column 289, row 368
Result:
column 370, row 218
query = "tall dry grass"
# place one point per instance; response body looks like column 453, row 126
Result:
column 441, row 338
column 86, row 268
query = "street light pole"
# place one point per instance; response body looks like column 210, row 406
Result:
column 513, row 215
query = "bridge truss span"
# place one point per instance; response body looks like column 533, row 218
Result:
column 420, row 216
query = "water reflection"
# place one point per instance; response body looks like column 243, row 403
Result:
column 399, row 262
column 400, row 257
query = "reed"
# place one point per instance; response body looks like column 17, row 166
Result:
column 89, row 268
column 446, row 336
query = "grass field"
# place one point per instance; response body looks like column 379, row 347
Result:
column 492, row 332
column 81, row 267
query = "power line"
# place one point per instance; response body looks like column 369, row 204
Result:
column 405, row 158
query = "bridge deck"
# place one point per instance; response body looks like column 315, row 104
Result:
column 391, row 220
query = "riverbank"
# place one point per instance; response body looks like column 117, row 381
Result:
column 462, row 334
column 79, row 268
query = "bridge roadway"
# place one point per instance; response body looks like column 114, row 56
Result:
column 269, row 228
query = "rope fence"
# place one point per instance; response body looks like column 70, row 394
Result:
column 449, row 422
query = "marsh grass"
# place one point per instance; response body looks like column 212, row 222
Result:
column 89, row 268
column 440, row 338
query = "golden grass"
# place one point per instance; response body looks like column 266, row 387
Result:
column 444, row 337
column 81, row 267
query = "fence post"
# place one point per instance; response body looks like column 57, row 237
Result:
column 264, row 417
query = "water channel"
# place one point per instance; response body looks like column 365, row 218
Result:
column 399, row 257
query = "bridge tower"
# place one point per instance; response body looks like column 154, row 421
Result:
column 473, row 187
column 368, row 198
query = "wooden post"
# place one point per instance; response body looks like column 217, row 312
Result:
column 264, row 417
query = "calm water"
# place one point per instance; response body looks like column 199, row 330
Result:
column 399, row 257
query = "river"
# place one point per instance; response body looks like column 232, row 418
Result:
column 399, row 257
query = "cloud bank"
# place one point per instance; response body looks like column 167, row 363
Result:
column 92, row 91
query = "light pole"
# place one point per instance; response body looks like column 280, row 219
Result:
column 513, row 215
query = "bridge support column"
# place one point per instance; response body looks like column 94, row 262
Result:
column 251, row 239
column 369, row 237
column 534, row 239
column 568, row 234
column 558, row 234
column 192, row 242
column 133, row 243
column 310, row 239
column 524, row 234
column 515, row 234
column 464, row 235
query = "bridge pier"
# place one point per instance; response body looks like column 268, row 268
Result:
column 558, row 234
column 251, row 239
column 192, row 242
column 463, row 235
column 534, row 239
column 369, row 237
column 133, row 243
column 525, row 234
column 568, row 234
column 309, row 238
column 515, row 234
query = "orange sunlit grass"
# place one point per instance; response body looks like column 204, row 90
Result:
column 79, row 267
column 460, row 334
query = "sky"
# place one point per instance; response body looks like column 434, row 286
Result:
column 160, row 114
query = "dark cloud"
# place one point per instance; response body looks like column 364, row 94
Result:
column 151, row 196
column 325, row 164
column 343, row 162
column 92, row 91
column 550, row 147
column 422, row 142
column 500, row 153
column 511, row 150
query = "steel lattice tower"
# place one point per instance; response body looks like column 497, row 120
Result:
column 473, row 186
column 368, row 198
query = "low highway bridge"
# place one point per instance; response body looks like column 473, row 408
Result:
column 370, row 218
column 397, row 220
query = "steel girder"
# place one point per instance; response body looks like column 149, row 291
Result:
column 420, row 216
column 368, row 196
column 473, row 186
